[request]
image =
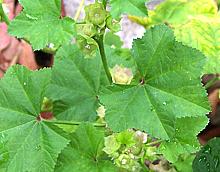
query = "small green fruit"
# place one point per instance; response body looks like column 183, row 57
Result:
column 121, row 75
column 87, row 29
column 87, row 45
column 96, row 14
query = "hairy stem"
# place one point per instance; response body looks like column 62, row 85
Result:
column 154, row 143
column 79, row 10
column 73, row 123
column 104, row 2
column 103, row 56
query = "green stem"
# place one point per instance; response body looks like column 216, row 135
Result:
column 3, row 15
column 73, row 123
column 104, row 2
column 79, row 10
column 103, row 56
column 154, row 143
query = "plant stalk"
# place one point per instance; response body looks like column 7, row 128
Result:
column 79, row 10
column 103, row 56
column 73, row 123
column 104, row 2
column 154, row 143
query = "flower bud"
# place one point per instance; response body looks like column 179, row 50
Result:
column 111, row 145
column 121, row 75
column 47, row 105
column 87, row 45
column 141, row 136
column 96, row 13
column 123, row 160
column 86, row 29
column 101, row 111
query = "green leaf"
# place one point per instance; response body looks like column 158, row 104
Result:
column 170, row 87
column 179, row 11
column 113, row 40
column 75, row 85
column 121, row 57
column 185, row 138
column 195, row 23
column 85, row 153
column 208, row 158
column 184, row 163
column 126, row 138
column 41, row 24
column 32, row 145
column 203, row 33
column 130, row 7
column 111, row 145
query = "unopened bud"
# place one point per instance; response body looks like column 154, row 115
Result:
column 101, row 111
column 141, row 136
column 121, row 75
column 96, row 13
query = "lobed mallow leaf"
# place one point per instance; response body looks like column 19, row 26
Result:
column 41, row 24
column 169, row 87
column 31, row 144
column 75, row 85
column 85, row 152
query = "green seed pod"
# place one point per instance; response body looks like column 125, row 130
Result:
column 136, row 149
column 87, row 45
column 128, row 161
column 121, row 75
column 96, row 14
column 111, row 145
column 86, row 29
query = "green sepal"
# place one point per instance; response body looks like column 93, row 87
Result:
column 87, row 45
column 86, row 29
column 96, row 14
column 113, row 25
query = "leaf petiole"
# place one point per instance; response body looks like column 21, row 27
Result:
column 154, row 143
column 104, row 2
column 73, row 123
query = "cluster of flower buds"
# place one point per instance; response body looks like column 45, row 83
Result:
column 128, row 149
column 97, row 19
